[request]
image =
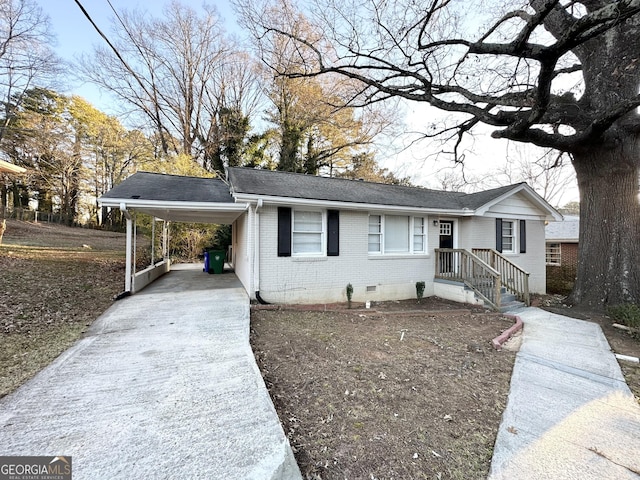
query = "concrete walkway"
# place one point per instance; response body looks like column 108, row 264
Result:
column 164, row 385
column 570, row 414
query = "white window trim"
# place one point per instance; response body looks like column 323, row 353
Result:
column 323, row 233
column 514, row 236
column 553, row 257
column 411, row 233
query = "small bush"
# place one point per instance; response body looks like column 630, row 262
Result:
column 627, row 314
column 349, row 293
column 419, row 290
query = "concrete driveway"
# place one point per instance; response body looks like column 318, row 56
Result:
column 164, row 385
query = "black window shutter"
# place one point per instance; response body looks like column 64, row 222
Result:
column 333, row 233
column 523, row 236
column 284, row 232
column 499, row 234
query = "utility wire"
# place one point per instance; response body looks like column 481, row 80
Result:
column 126, row 65
column 115, row 50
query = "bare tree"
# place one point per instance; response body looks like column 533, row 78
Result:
column 180, row 71
column 26, row 59
column 547, row 171
column 556, row 74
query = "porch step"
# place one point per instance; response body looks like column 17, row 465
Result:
column 508, row 301
column 506, row 307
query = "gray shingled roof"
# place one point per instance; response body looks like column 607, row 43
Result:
column 171, row 188
column 567, row 230
column 294, row 185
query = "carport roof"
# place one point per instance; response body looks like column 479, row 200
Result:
column 175, row 198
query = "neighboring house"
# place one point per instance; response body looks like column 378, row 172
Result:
column 301, row 238
column 562, row 253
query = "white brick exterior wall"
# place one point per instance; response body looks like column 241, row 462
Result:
column 323, row 279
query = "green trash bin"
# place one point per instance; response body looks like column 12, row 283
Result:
column 216, row 260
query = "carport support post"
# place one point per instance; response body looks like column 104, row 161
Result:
column 153, row 240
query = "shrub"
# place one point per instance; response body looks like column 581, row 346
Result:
column 419, row 290
column 349, row 293
column 627, row 314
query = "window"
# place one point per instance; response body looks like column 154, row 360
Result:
column 553, row 253
column 396, row 234
column 418, row 235
column 375, row 234
column 508, row 236
column 507, row 239
column 303, row 232
column 307, row 233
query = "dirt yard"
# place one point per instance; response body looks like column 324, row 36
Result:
column 403, row 390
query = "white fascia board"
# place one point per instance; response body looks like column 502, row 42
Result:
column 561, row 240
column 11, row 168
column 173, row 205
column 551, row 214
column 307, row 202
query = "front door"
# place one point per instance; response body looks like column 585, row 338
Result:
column 446, row 233
column 446, row 241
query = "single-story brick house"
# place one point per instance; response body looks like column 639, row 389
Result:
column 301, row 239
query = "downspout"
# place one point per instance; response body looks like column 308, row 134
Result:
column 127, row 279
column 256, row 253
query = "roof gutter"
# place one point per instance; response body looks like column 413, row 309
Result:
column 174, row 205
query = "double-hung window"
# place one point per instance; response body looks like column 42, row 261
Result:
column 375, row 234
column 396, row 234
column 419, row 239
column 307, row 233
column 508, row 236
column 511, row 236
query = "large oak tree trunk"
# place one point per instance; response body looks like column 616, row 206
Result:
column 609, row 249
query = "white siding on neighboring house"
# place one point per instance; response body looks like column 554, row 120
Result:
column 323, row 279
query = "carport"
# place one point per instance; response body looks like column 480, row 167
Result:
column 167, row 198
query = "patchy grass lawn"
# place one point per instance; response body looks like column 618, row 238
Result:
column 51, row 289
column 385, row 394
